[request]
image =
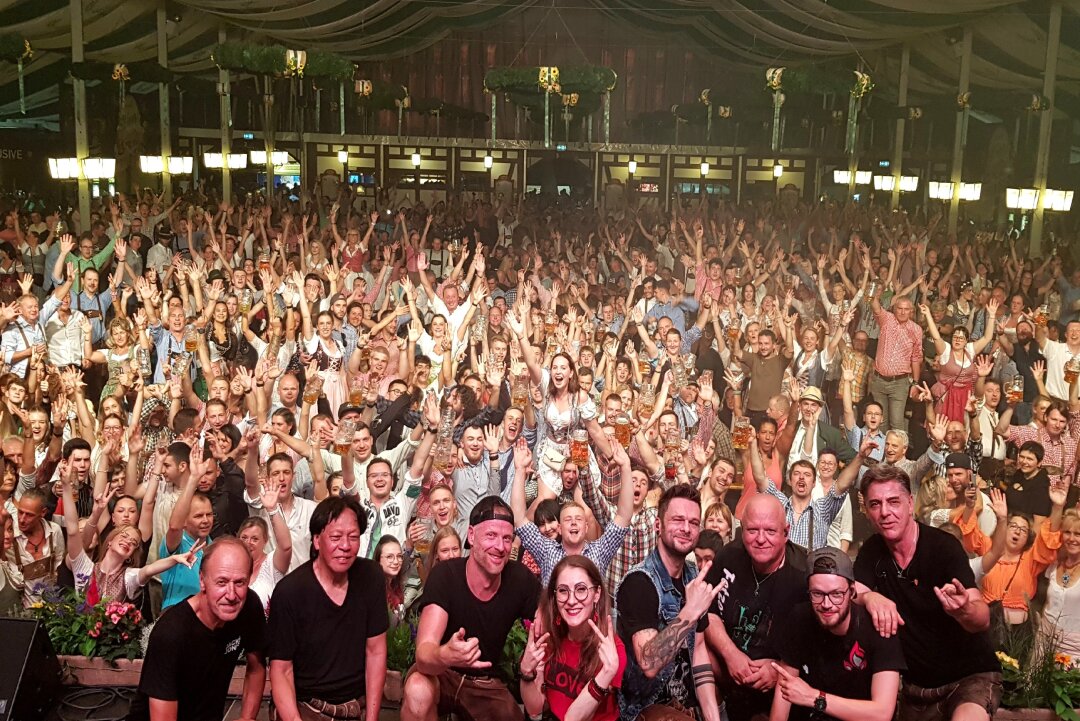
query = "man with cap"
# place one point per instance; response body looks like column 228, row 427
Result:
column 468, row 608
column 833, row 664
column 160, row 255
column 805, row 434
column 916, row 582
column 960, row 476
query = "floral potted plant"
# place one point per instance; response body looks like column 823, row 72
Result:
column 1039, row 684
column 98, row 645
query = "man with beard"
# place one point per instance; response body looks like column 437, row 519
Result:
column 661, row 619
column 1025, row 353
column 194, row 648
column 1057, row 355
column 573, row 520
column 834, row 665
column 766, row 576
column 328, row 624
column 468, row 608
column 915, row 580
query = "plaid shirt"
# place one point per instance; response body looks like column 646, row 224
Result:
column 639, row 541
column 1060, row 452
column 547, row 553
column 824, row 510
column 899, row 347
column 861, row 363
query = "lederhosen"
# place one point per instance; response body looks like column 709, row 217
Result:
column 91, row 314
column 35, row 570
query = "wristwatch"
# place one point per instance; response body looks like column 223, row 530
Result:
column 819, row 702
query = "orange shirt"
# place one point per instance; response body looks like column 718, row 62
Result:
column 1012, row 584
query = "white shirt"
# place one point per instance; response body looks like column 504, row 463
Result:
column 299, row 522
column 840, row 529
column 1057, row 355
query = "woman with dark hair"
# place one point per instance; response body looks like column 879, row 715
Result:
column 565, row 408
column 957, row 362
column 321, row 342
column 391, row 559
column 1028, row 552
column 573, row 661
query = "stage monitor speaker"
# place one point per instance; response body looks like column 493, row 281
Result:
column 29, row 671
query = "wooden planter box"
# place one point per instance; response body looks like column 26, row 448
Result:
column 87, row 671
column 1025, row 714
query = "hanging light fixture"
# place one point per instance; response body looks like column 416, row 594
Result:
column 1058, row 200
column 841, row 177
column 778, row 170
column 237, row 161
column 1021, row 198
column 970, row 191
column 180, row 164
column 416, row 160
column 863, row 177
column 343, row 156
column 64, row 168
column 940, row 190
column 488, row 161
column 704, row 169
column 213, row 160
column 631, row 167
column 884, row 182
column 909, row 183
column 151, row 163
column 99, row 168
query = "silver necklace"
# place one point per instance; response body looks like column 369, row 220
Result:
column 759, row 581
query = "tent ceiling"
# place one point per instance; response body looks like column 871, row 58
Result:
column 1009, row 35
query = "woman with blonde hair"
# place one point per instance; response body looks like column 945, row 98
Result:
column 1061, row 613
column 119, row 351
column 718, row 517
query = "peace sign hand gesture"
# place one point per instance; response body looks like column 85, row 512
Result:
column 609, row 655
column 188, row 559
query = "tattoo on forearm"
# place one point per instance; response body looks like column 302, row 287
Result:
column 661, row 648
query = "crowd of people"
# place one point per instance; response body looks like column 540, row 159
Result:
column 728, row 461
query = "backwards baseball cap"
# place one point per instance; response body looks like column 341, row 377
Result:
column 957, row 460
column 831, row 561
column 489, row 508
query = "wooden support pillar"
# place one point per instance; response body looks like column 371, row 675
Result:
column 224, row 99
column 898, row 146
column 82, row 138
column 164, row 121
column 960, row 135
column 1046, row 125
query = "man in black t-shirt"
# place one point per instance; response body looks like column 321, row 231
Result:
column 467, row 610
column 916, row 580
column 328, row 623
column 835, row 665
column 1028, row 489
column 195, row 645
column 767, row 577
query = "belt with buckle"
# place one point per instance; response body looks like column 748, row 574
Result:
column 884, row 377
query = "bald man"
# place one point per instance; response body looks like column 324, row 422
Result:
column 767, row 576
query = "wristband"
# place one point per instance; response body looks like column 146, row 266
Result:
column 600, row 694
column 528, row 677
column 260, row 385
column 276, row 512
column 493, row 456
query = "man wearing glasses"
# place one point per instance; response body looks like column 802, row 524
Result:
column 916, row 582
column 834, row 665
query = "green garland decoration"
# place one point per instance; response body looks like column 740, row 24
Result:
column 580, row 79
column 827, row 78
column 449, row 111
column 379, row 95
column 280, row 61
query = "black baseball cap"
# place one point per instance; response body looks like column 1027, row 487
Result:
column 490, row 508
column 957, row 460
column 346, row 408
column 831, row 561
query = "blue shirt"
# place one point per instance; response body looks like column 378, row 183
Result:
column 95, row 308
column 167, row 347
column 179, row 582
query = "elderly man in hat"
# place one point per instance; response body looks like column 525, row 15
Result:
column 834, row 664
column 806, row 435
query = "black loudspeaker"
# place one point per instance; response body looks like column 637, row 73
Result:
column 29, row 671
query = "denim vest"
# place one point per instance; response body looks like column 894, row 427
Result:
column 638, row 691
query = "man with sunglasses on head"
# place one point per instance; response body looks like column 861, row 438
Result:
column 834, row 664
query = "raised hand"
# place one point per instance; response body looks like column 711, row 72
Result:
column 1038, row 369
column 953, row 596
column 608, row 653
column 794, row 689
column 461, row 652
column 535, row 655
column 700, row 594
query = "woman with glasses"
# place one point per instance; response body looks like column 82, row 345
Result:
column 573, row 661
column 956, row 360
column 1014, row 579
